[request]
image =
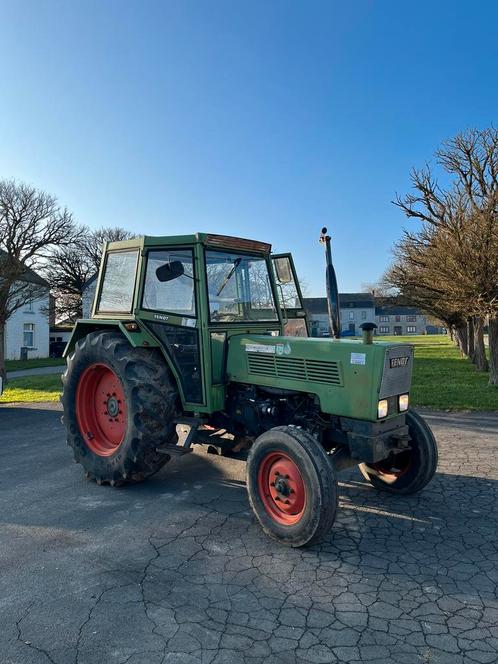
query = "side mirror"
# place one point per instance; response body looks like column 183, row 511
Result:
column 170, row 271
column 283, row 270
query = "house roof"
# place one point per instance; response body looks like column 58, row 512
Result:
column 384, row 306
column 29, row 276
column 318, row 305
column 390, row 306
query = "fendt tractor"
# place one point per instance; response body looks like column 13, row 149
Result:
column 210, row 331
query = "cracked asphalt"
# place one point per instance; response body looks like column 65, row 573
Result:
column 177, row 570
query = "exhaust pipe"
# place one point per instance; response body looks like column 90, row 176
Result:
column 332, row 292
column 368, row 332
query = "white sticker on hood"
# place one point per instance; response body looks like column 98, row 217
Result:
column 358, row 358
column 260, row 348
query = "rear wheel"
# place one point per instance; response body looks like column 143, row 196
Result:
column 119, row 406
column 292, row 486
column 408, row 471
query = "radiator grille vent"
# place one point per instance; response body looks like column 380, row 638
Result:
column 294, row 368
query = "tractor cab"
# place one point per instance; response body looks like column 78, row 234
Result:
column 191, row 294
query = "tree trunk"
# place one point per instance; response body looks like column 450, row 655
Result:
column 462, row 338
column 471, row 338
column 3, row 373
column 480, row 359
column 493, row 351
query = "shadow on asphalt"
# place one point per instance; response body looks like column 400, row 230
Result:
column 452, row 506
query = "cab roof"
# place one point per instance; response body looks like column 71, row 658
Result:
column 207, row 239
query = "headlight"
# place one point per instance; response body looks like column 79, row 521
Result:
column 403, row 402
column 382, row 409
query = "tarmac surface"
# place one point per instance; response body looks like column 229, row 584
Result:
column 177, row 570
column 37, row 371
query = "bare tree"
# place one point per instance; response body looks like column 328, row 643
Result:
column 93, row 241
column 452, row 261
column 31, row 224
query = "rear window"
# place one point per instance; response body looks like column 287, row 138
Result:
column 118, row 284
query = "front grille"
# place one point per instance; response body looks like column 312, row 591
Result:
column 294, row 368
column 396, row 379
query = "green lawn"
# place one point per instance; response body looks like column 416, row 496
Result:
column 17, row 365
column 32, row 388
column 443, row 380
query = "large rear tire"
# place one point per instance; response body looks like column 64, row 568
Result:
column 410, row 470
column 292, row 486
column 119, row 405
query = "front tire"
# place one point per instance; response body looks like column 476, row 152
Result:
column 410, row 470
column 119, row 406
column 292, row 486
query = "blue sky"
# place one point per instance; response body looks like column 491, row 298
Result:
column 260, row 119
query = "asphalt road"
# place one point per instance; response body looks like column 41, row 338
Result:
column 37, row 371
column 176, row 570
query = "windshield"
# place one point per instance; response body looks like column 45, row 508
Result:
column 239, row 288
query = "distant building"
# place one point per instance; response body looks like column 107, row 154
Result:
column 390, row 317
column 398, row 319
column 356, row 308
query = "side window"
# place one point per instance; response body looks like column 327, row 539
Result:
column 169, row 282
column 118, row 284
column 286, row 284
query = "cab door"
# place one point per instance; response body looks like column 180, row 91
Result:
column 290, row 296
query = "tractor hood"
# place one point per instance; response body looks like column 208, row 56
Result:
column 347, row 376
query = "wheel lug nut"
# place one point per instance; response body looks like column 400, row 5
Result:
column 286, row 477
column 272, row 483
column 277, row 498
column 276, row 473
column 287, row 502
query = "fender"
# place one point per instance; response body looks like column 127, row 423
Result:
column 138, row 337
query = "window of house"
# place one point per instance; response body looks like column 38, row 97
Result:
column 411, row 329
column 29, row 335
column 363, row 315
column 351, row 315
column 29, row 306
column 384, row 319
column 176, row 295
column 398, row 318
column 384, row 329
column 411, row 319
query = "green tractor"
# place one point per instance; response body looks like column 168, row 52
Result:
column 210, row 331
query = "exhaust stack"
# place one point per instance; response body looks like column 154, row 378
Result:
column 332, row 292
column 368, row 332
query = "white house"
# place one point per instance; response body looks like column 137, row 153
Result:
column 29, row 326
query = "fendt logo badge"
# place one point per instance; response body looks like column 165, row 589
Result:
column 396, row 362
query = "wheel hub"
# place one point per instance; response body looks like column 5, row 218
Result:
column 112, row 406
column 281, row 487
column 101, row 409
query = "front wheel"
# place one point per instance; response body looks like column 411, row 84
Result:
column 408, row 471
column 292, row 486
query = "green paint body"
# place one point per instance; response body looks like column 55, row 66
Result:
column 344, row 375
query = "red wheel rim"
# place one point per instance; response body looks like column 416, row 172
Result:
column 394, row 467
column 281, row 488
column 101, row 409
